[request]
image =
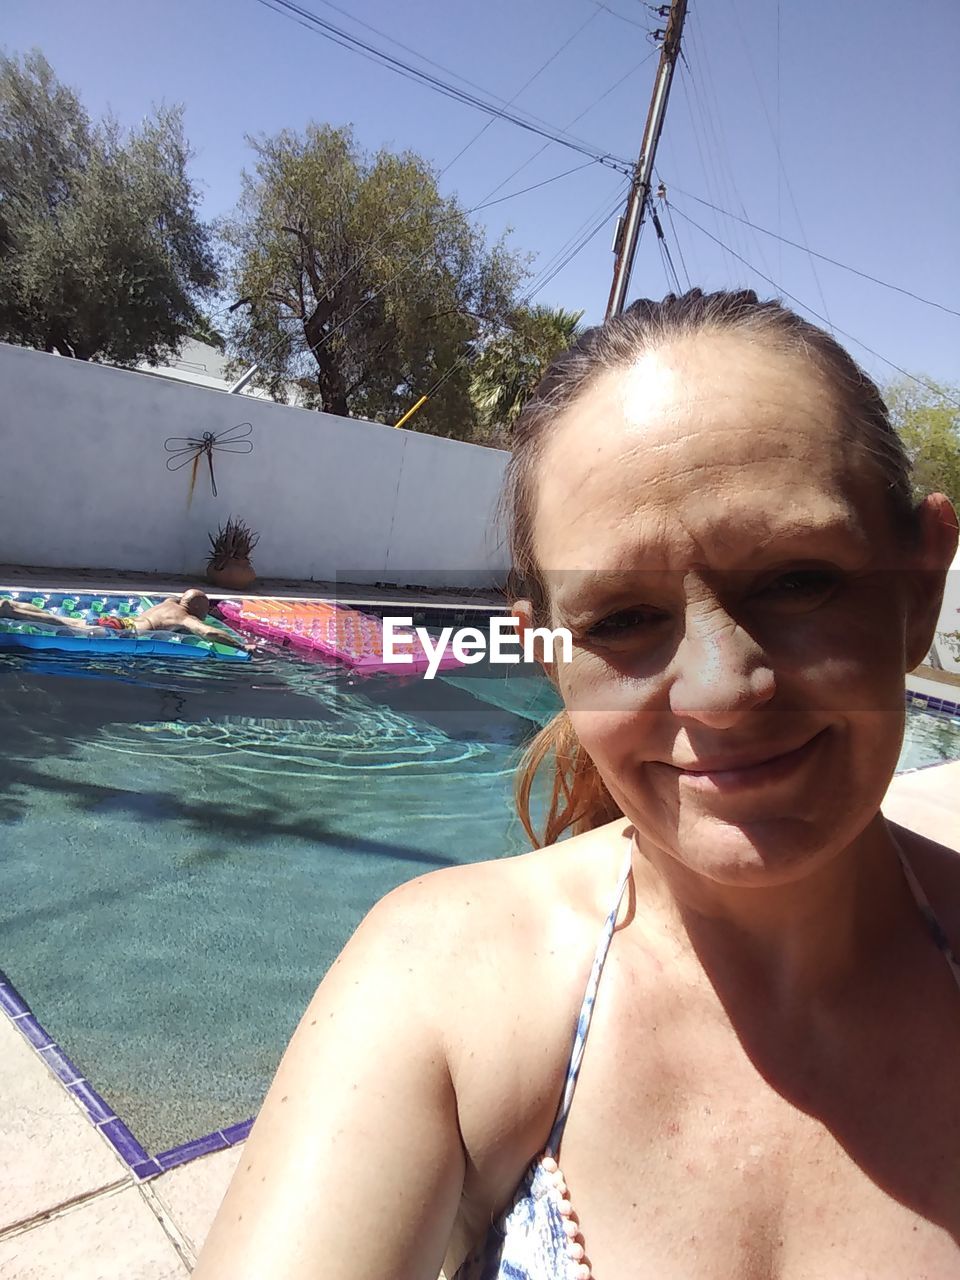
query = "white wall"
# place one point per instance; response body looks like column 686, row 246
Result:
column 950, row 616
column 84, row 483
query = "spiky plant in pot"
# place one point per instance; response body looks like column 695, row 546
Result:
column 228, row 563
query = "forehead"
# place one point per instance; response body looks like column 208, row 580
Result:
column 699, row 452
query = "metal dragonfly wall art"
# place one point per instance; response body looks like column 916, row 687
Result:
column 186, row 450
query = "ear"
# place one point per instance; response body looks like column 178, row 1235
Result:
column 522, row 610
column 930, row 565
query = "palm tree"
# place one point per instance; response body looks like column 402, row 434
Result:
column 510, row 366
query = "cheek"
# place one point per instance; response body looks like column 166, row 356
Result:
column 613, row 716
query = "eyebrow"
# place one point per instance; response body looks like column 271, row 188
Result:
column 782, row 544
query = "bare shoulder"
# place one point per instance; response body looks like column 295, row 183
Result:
column 489, row 907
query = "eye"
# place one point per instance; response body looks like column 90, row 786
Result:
column 624, row 623
column 802, row 586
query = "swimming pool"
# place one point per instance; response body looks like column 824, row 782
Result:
column 183, row 851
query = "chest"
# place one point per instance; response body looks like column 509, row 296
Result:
column 689, row 1155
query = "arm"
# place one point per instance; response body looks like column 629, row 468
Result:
column 214, row 634
column 355, row 1167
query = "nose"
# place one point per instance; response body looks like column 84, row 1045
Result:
column 720, row 674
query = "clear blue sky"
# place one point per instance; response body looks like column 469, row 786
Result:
column 861, row 97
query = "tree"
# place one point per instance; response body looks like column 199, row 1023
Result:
column 927, row 419
column 102, row 252
column 363, row 284
column 511, row 365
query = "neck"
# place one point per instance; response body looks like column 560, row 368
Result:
column 789, row 948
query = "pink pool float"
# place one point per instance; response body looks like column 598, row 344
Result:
column 317, row 626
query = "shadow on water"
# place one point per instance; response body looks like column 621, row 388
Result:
column 50, row 712
column 185, row 848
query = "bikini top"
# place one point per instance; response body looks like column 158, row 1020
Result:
column 537, row 1237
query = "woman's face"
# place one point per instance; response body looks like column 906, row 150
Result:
column 724, row 560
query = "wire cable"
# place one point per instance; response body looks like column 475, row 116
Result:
column 526, row 85
column 531, row 294
column 713, row 114
column 622, row 16
column 344, row 39
column 586, row 111
column 673, row 229
column 834, row 262
column 776, row 144
column 793, row 298
column 670, row 271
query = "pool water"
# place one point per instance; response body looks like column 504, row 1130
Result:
column 184, row 849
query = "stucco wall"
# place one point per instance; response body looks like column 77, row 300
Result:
column 84, row 483
column 950, row 616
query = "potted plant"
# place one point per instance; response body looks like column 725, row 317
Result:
column 228, row 564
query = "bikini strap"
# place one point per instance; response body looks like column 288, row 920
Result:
column 586, row 1008
column 926, row 910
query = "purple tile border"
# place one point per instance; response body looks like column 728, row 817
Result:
column 204, row 1146
column 219, row 1140
column 61, row 1065
column 31, row 1028
column 95, row 1107
column 936, row 706
column 237, row 1132
column 101, row 1115
column 932, row 703
column 123, row 1142
column 10, row 1001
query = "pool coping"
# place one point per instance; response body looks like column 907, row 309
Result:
column 101, row 1115
column 124, row 1142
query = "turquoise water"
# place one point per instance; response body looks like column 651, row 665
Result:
column 184, row 849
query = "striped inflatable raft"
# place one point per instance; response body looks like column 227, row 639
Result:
column 20, row 635
column 330, row 630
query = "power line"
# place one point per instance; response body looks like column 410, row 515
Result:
column 729, row 193
column 673, row 228
column 582, row 244
column 622, row 16
column 776, row 144
column 526, row 85
column 488, row 204
column 786, row 293
column 673, row 280
column 532, row 293
column 417, row 53
column 603, row 210
column 691, row 99
column 586, row 111
column 864, row 275
column 344, row 39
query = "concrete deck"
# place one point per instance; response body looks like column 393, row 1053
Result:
column 115, row 582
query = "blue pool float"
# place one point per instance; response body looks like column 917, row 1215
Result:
column 16, row 635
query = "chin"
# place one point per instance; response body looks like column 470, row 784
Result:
column 759, row 853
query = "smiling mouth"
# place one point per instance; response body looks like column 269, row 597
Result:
column 770, row 769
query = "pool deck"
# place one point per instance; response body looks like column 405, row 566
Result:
column 113, row 582
column 67, row 1200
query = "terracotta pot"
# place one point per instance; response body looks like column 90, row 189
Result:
column 234, row 575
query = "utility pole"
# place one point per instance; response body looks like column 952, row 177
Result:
column 628, row 230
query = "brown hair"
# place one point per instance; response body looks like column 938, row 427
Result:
column 579, row 800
